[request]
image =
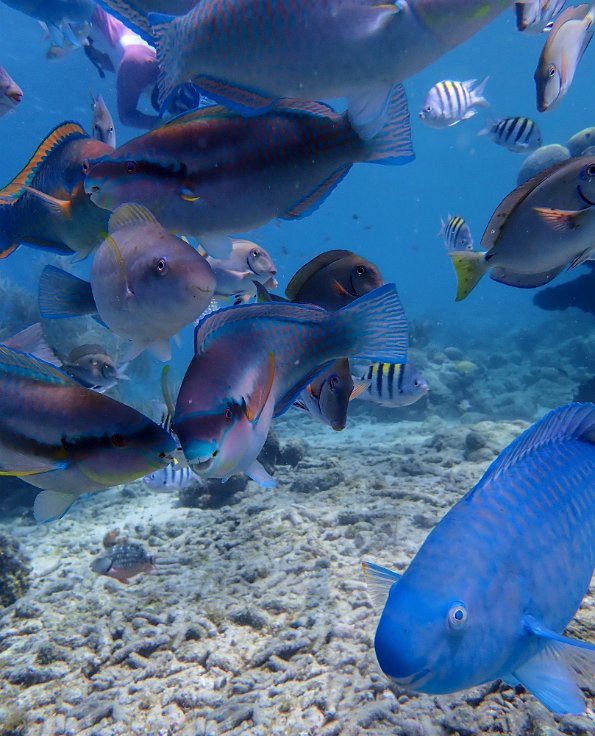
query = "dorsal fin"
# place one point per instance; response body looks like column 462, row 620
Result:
column 64, row 132
column 309, row 269
column 14, row 362
column 130, row 214
column 86, row 349
column 567, row 423
column 308, row 107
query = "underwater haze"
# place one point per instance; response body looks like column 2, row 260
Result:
column 178, row 599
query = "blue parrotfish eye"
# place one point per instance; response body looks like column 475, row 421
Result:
column 457, row 616
column 161, row 266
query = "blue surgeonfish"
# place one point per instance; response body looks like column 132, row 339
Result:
column 494, row 585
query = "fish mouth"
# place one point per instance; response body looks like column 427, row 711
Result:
column 585, row 199
column 415, row 680
column 16, row 95
column 202, row 466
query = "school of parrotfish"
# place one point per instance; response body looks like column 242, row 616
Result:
column 490, row 592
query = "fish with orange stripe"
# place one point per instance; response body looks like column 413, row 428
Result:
column 213, row 174
column 46, row 206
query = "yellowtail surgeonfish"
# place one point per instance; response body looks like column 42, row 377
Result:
column 252, row 361
column 538, row 230
column 69, row 440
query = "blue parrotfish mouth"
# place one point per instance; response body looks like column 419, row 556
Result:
column 414, row 681
column 585, row 199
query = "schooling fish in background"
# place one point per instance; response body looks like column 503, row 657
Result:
column 518, row 134
column 46, row 206
column 102, row 126
column 174, row 477
column 92, row 367
column 494, row 585
column 235, row 275
column 246, row 55
column 536, row 16
column 123, row 561
column 59, row 50
column 538, row 230
column 252, row 361
column 146, row 284
column 68, row 440
column 246, row 171
column 449, row 102
column 563, row 50
column 10, row 92
column 393, row 385
column 456, row 233
column 333, row 279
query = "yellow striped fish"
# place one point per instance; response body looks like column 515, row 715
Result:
column 393, row 384
column 449, row 102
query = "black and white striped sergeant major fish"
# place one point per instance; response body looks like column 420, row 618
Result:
column 449, row 102
column 456, row 233
column 517, row 134
column 174, row 477
column 393, row 384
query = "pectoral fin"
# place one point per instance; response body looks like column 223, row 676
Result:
column 259, row 475
column 379, row 581
column 260, row 395
column 50, row 505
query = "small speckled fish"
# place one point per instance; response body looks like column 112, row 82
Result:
column 10, row 92
column 393, row 385
column 496, row 582
column 69, row 440
column 456, row 233
column 247, row 54
column 212, row 173
column 252, row 361
column 566, row 43
column 124, row 561
column 45, row 205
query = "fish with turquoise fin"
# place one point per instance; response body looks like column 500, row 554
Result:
column 212, row 173
column 69, row 440
column 248, row 54
column 490, row 592
column 46, row 206
column 252, row 361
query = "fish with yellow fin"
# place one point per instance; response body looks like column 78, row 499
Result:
column 538, row 230
column 69, row 440
column 46, row 206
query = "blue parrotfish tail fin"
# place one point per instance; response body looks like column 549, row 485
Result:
column 469, row 266
column 572, row 422
column 31, row 341
column 312, row 201
column 67, row 131
column 130, row 15
column 379, row 581
column 259, row 475
column 393, row 145
column 553, row 675
column 51, row 505
column 63, row 295
column 376, row 326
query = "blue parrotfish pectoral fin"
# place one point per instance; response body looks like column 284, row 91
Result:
column 469, row 266
column 63, row 295
column 554, row 673
column 51, row 505
column 379, row 581
column 253, row 407
column 393, row 145
column 312, row 201
column 259, row 475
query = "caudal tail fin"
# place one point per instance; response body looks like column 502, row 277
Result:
column 165, row 38
column 63, row 295
column 376, row 326
column 470, row 266
column 393, row 145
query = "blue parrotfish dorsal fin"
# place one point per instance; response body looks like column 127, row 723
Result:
column 379, row 581
column 65, row 132
column 567, row 423
column 130, row 214
column 13, row 362
column 63, row 295
column 552, row 675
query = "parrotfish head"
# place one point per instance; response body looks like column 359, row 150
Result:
column 586, row 183
column 548, row 84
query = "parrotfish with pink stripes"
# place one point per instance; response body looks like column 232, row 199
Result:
column 247, row 54
column 495, row 584
column 252, row 361
column 212, row 173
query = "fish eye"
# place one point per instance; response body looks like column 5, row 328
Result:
column 255, row 253
column 161, row 266
column 551, row 71
column 590, row 171
column 118, row 440
column 333, row 382
column 228, row 414
column 86, row 166
column 428, row 108
column 360, row 270
column 457, row 615
column 130, row 167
